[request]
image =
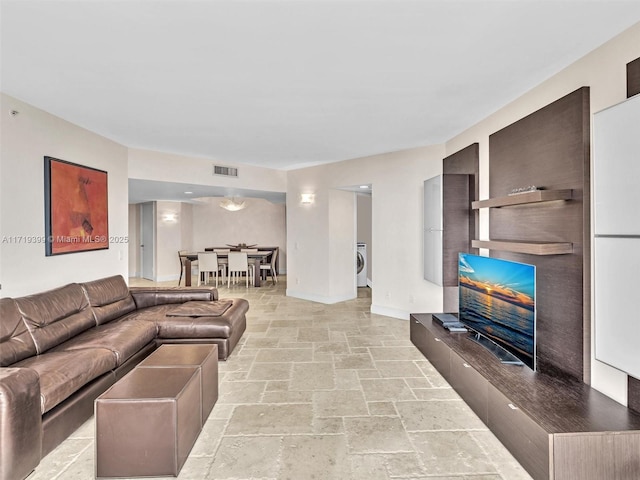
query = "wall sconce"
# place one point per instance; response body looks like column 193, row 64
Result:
column 306, row 198
column 170, row 218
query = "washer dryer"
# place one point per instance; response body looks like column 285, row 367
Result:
column 361, row 265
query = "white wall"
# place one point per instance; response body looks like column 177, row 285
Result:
column 26, row 139
column 167, row 167
column 397, row 182
column 261, row 222
column 170, row 225
column 604, row 71
column 194, row 227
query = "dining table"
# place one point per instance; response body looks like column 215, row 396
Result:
column 257, row 257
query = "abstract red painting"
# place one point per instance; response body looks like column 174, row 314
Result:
column 76, row 207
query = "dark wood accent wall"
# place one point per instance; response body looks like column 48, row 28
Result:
column 455, row 224
column 633, row 78
column 550, row 149
column 467, row 162
column 633, row 88
column 633, row 394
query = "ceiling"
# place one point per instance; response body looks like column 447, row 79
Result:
column 287, row 84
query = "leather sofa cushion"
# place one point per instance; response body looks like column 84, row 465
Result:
column 110, row 298
column 56, row 315
column 16, row 342
column 123, row 337
column 201, row 309
column 63, row 373
column 195, row 327
column 154, row 296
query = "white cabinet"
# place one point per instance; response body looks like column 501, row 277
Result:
column 616, row 200
column 447, row 206
column 617, row 318
column 616, row 169
column 432, row 233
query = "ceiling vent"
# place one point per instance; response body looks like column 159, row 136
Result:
column 225, row 171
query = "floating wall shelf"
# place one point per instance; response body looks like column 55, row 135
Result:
column 532, row 248
column 537, row 196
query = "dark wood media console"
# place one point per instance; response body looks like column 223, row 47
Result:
column 556, row 426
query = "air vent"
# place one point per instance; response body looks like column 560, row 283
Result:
column 225, row 171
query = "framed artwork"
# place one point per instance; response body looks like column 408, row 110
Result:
column 76, row 207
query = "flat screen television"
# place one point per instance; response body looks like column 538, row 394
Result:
column 497, row 302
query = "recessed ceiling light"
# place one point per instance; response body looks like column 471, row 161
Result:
column 364, row 186
column 188, row 193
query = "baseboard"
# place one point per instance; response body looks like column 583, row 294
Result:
column 318, row 298
column 390, row 312
column 167, row 278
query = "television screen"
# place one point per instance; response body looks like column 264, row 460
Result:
column 497, row 300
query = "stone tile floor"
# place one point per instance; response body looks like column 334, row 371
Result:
column 318, row 392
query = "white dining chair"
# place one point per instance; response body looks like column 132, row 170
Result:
column 238, row 264
column 223, row 261
column 252, row 261
column 207, row 264
column 270, row 267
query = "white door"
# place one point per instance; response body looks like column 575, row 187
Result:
column 147, row 240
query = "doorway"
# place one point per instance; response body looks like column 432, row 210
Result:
column 364, row 235
column 147, row 240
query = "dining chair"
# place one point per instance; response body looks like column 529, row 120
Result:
column 252, row 261
column 222, row 261
column 270, row 268
column 207, row 264
column 183, row 264
column 238, row 263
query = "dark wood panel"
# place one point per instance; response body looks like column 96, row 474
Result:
column 433, row 348
column 527, row 441
column 633, row 393
column 535, row 414
column 557, row 401
column 633, row 88
column 584, row 457
column 471, row 386
column 467, row 161
column 519, row 246
column 627, row 456
column 550, row 149
column 455, row 223
column 537, row 196
column 633, row 78
column 597, row 456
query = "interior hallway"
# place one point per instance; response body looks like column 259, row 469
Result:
column 318, row 391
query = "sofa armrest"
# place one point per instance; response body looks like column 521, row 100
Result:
column 20, row 422
column 152, row 296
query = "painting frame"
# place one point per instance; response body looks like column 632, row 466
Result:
column 76, row 207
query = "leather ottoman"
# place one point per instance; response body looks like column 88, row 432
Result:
column 147, row 423
column 204, row 357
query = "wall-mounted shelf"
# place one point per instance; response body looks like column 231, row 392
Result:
column 537, row 196
column 532, row 248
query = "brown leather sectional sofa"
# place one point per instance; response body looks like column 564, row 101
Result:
column 60, row 349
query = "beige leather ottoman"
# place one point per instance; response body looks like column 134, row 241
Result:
column 147, row 423
column 202, row 356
